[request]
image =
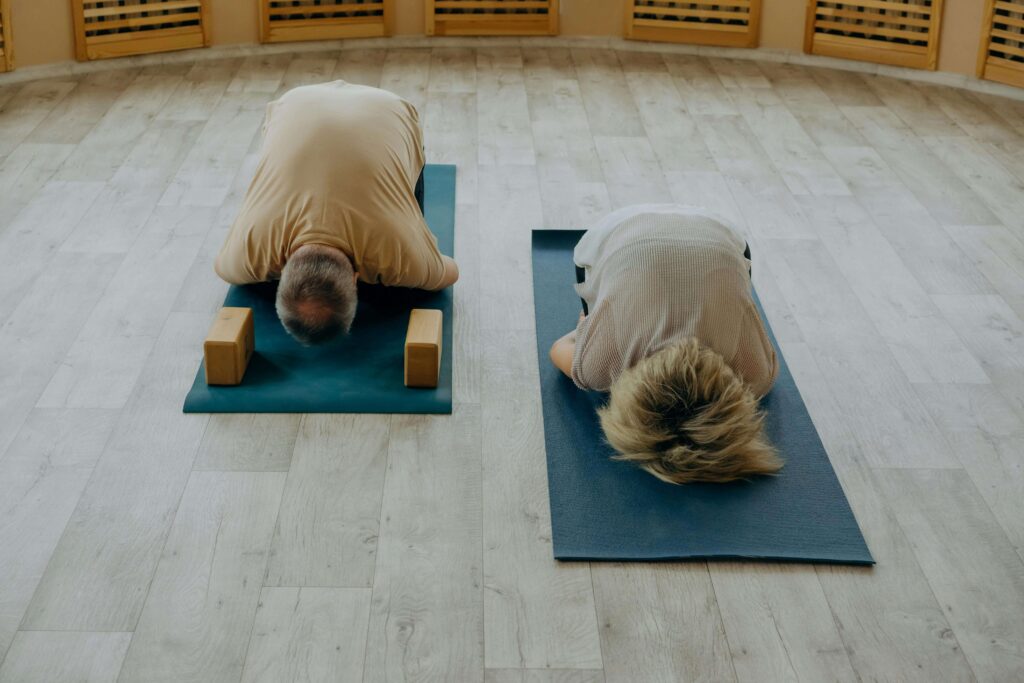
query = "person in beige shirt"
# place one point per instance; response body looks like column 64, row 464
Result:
column 671, row 330
column 336, row 198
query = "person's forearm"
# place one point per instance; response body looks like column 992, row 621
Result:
column 562, row 352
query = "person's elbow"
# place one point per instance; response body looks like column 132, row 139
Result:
column 562, row 352
column 450, row 275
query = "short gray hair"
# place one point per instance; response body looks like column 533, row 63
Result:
column 317, row 295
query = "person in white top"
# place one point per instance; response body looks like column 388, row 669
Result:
column 669, row 327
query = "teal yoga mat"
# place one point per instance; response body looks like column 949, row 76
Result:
column 359, row 373
column 603, row 509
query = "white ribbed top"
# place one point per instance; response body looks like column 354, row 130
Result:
column 658, row 274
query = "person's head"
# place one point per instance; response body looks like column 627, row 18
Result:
column 316, row 298
column 683, row 415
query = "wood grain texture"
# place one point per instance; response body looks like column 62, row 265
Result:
column 202, row 601
column 328, row 528
column 83, row 656
column 426, row 618
column 538, row 613
column 660, row 622
column 308, row 634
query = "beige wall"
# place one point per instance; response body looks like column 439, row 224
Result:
column 43, row 32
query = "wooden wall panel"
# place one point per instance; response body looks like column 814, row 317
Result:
column 289, row 20
column 492, row 17
column 1002, row 42
column 118, row 28
column 729, row 23
column 898, row 32
column 6, row 44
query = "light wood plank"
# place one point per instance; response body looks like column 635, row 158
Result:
column 29, row 243
column 543, row 676
column 995, row 335
column 509, row 208
column 406, row 72
column 888, row 619
column 987, row 436
column 359, row 66
column 83, row 656
column 666, row 119
column 969, row 113
column 974, row 573
column 260, row 74
column 503, row 127
column 998, row 254
column 85, row 106
column 100, row 573
column 104, row 149
column 42, row 475
column 660, row 622
column 606, row 96
column 997, row 186
column 452, row 70
column 803, row 167
column 537, row 613
column 934, row 183
column 920, row 339
column 205, row 176
column 201, row 89
column 103, row 364
column 912, row 107
column 921, row 243
column 308, row 634
column 24, row 172
column 248, row 443
column 631, row 170
column 467, row 354
column 27, row 108
column 778, row 624
column 766, row 202
column 33, row 344
column 884, row 415
column 202, row 602
column 328, row 528
column 572, row 187
column 699, row 86
column 426, row 619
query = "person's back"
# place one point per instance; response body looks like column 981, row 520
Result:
column 333, row 199
column 672, row 331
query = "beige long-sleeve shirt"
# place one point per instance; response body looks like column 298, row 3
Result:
column 657, row 274
column 338, row 167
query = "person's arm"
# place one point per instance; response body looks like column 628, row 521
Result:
column 562, row 351
column 450, row 276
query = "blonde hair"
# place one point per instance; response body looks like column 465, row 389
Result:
column 684, row 415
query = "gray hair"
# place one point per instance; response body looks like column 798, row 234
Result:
column 316, row 298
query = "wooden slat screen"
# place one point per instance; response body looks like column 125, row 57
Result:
column 492, row 17
column 730, row 23
column 6, row 47
column 1002, row 43
column 287, row 20
column 898, row 32
column 116, row 28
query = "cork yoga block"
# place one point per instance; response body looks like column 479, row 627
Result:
column 423, row 348
column 229, row 346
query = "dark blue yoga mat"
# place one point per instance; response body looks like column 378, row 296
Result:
column 603, row 509
column 359, row 373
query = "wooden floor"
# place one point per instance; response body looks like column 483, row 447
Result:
column 886, row 221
